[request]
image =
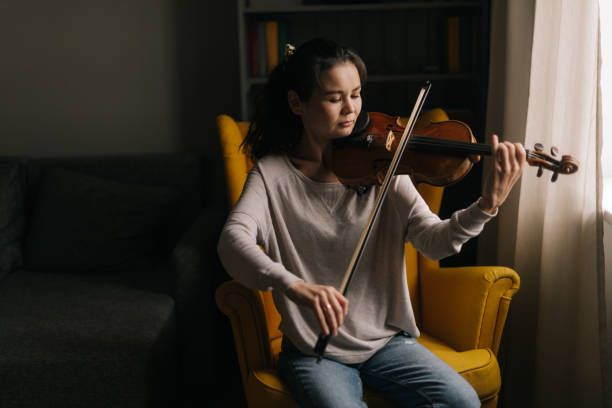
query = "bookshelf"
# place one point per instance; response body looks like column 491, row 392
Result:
column 403, row 43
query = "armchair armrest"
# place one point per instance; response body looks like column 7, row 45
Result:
column 245, row 309
column 466, row 307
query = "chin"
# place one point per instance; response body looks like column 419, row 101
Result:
column 344, row 132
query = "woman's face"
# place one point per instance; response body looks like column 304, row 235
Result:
column 333, row 108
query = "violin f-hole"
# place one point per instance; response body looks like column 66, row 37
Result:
column 389, row 141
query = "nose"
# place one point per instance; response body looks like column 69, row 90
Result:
column 348, row 106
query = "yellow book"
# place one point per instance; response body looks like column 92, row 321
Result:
column 272, row 44
column 453, row 58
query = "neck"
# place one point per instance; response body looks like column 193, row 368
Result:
column 311, row 148
column 312, row 156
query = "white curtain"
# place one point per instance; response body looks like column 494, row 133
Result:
column 554, row 344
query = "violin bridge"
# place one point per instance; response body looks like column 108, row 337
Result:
column 390, row 139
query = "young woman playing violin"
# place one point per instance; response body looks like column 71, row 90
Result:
column 308, row 224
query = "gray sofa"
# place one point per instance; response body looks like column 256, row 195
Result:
column 105, row 281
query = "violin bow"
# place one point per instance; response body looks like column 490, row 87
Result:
column 323, row 339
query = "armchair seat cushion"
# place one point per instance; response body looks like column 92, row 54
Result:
column 478, row 366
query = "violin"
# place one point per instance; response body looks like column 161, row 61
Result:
column 440, row 153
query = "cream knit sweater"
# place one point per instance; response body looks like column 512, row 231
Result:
column 309, row 231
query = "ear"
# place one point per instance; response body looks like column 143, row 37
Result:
column 295, row 103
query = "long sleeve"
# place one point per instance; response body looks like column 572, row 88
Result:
column 243, row 236
column 430, row 235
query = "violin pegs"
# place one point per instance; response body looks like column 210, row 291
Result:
column 554, row 151
column 554, row 176
column 540, row 171
column 538, row 147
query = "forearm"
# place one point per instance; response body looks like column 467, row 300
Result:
column 245, row 261
column 437, row 239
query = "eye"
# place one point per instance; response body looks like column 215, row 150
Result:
column 356, row 96
column 335, row 100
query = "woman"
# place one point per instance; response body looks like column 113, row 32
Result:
column 308, row 224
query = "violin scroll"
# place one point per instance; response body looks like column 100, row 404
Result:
column 541, row 160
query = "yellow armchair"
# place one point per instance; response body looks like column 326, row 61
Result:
column 461, row 311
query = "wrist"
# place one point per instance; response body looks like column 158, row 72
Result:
column 487, row 206
column 294, row 287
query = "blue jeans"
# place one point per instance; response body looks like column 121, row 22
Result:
column 403, row 371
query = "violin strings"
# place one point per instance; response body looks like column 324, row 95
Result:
column 435, row 145
column 447, row 146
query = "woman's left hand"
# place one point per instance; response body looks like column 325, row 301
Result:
column 508, row 163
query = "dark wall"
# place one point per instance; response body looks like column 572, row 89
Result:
column 115, row 76
column 207, row 79
column 207, row 67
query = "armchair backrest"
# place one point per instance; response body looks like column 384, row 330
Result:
column 237, row 166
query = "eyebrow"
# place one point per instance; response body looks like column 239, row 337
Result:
column 335, row 92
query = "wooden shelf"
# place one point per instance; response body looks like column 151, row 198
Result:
column 361, row 7
column 396, row 78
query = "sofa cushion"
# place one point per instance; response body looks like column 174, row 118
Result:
column 72, row 340
column 12, row 217
column 83, row 223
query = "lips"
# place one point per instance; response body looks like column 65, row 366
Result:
column 347, row 123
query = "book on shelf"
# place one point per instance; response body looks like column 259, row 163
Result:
column 266, row 46
column 271, row 44
column 453, row 54
column 459, row 43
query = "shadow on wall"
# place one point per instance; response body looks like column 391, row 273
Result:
column 207, row 77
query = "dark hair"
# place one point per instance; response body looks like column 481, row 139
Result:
column 274, row 127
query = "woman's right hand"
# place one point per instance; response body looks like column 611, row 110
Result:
column 329, row 305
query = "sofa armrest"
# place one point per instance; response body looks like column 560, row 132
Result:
column 198, row 271
column 466, row 307
column 245, row 309
column 195, row 258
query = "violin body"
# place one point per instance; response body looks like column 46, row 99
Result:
column 360, row 159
